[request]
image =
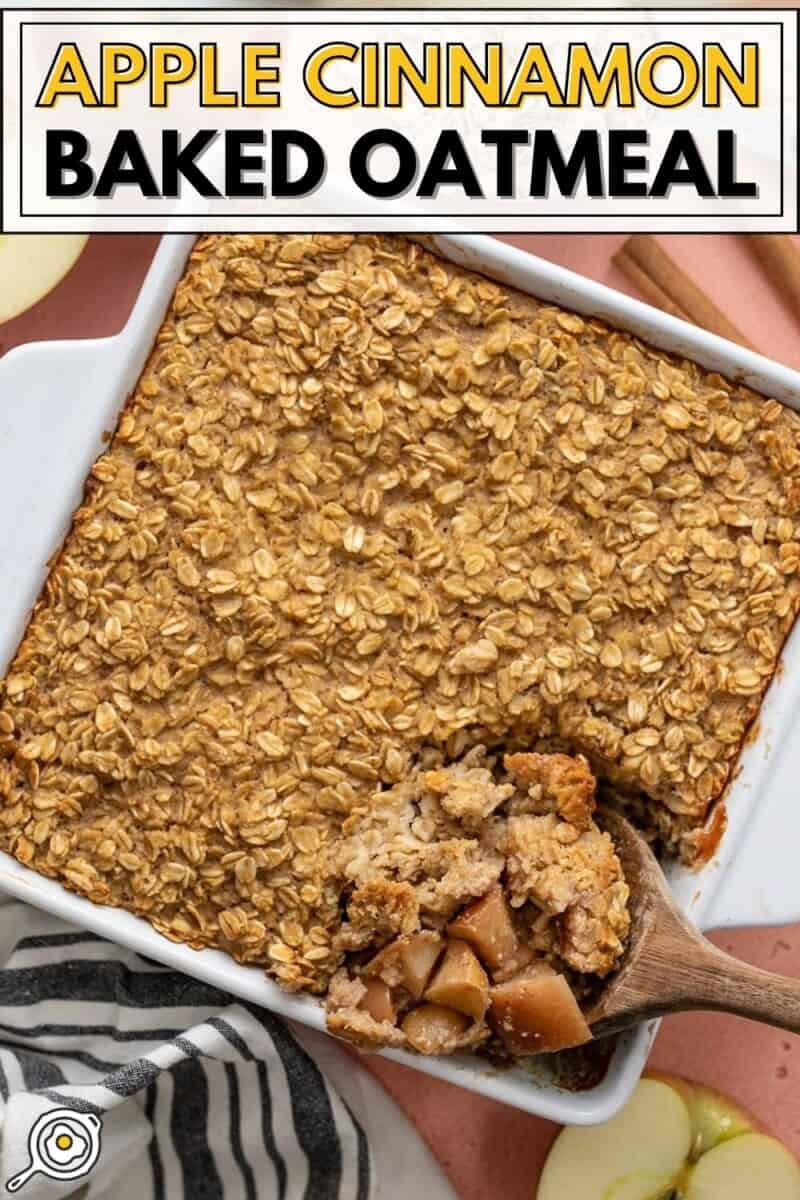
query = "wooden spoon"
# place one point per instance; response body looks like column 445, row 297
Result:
column 669, row 966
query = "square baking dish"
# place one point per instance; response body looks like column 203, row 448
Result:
column 58, row 399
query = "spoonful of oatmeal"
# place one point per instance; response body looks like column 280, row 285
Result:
column 488, row 905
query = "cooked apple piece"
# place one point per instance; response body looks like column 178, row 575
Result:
column 432, row 1029
column 387, row 965
column 419, row 954
column 638, row 1155
column 460, row 982
column 408, row 961
column 377, row 1001
column 522, row 959
column 536, row 1012
column 487, row 926
column 743, row 1167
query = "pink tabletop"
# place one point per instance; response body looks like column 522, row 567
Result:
column 487, row 1149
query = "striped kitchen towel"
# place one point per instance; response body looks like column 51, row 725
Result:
column 121, row 1077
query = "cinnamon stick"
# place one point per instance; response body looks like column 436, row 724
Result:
column 669, row 278
column 779, row 256
column 652, row 293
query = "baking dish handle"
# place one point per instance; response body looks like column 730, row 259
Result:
column 57, row 402
column 126, row 348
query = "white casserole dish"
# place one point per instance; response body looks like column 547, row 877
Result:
column 57, row 399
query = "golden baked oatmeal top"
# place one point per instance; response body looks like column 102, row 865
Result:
column 364, row 502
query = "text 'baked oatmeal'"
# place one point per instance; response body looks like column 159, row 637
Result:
column 366, row 512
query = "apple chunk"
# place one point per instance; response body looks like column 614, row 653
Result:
column 432, row 1029
column 408, row 961
column 419, row 953
column 487, row 926
column 537, row 1012
column 31, row 265
column 638, row 1155
column 460, row 982
column 744, row 1167
column 377, row 1001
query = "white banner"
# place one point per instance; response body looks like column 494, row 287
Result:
column 435, row 120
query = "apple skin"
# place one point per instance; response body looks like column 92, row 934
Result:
column 715, row 1117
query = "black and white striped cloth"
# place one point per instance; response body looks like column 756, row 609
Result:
column 200, row 1095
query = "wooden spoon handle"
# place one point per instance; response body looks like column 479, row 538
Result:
column 686, row 972
column 719, row 982
column 670, row 967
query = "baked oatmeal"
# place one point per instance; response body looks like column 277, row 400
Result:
column 363, row 507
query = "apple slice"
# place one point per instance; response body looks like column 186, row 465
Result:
column 715, row 1118
column 460, row 982
column 744, row 1167
column 638, row 1155
column 32, row 264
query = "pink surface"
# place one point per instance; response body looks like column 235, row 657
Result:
column 489, row 1150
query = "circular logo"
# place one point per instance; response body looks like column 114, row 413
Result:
column 63, row 1144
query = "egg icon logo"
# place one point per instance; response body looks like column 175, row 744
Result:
column 63, row 1144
